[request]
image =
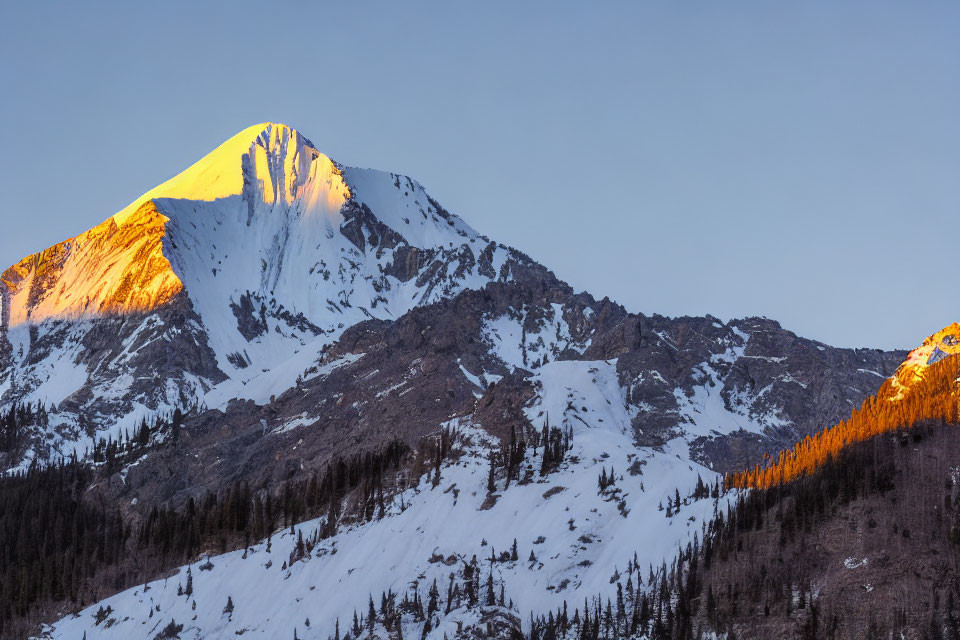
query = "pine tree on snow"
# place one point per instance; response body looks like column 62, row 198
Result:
column 491, row 482
column 433, row 606
column 449, row 595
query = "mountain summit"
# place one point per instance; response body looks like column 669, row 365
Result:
column 276, row 156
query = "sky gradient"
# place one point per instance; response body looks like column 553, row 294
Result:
column 800, row 162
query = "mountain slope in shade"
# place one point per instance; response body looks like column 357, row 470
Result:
column 865, row 547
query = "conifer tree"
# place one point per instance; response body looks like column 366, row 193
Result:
column 433, row 605
column 491, row 600
column 491, row 482
column 175, row 425
column 371, row 615
column 449, row 596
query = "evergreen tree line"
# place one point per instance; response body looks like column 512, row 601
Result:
column 470, row 586
column 635, row 612
column 934, row 396
column 552, row 444
column 59, row 545
column 239, row 514
column 700, row 491
column 52, row 541
column 653, row 612
column 113, row 454
column 747, row 581
column 15, row 424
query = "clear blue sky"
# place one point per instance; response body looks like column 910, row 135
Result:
column 795, row 160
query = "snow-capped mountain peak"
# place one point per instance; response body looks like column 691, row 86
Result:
column 264, row 249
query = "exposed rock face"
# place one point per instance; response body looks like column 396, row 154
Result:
column 738, row 390
column 493, row 623
column 732, row 392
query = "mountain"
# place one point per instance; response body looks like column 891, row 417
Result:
column 271, row 327
column 224, row 282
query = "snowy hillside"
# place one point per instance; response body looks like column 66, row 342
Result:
column 580, row 538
